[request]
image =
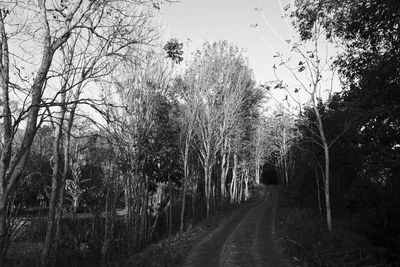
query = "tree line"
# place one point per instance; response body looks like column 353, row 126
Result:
column 98, row 132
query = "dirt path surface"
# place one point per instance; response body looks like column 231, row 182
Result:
column 247, row 239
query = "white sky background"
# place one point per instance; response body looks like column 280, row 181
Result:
column 195, row 21
column 211, row 20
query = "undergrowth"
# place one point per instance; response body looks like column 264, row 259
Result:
column 172, row 251
column 307, row 242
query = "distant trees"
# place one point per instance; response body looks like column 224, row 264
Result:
column 281, row 136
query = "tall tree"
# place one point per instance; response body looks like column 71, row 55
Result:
column 220, row 78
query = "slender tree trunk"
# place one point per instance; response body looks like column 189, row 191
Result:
column 67, row 144
column 56, row 154
column 60, row 208
column 240, row 188
column 285, row 164
column 319, row 194
column 224, row 169
column 185, row 179
column 5, row 133
column 286, row 171
column 326, row 157
column 327, row 195
column 182, row 219
column 59, row 212
column 234, row 178
column 54, row 187
column 104, row 248
column 75, row 204
column 3, row 227
column 246, row 190
column 206, row 187
column 257, row 170
column 110, row 222
column 169, row 219
column 223, row 178
column 144, row 227
column 53, row 197
column 193, row 203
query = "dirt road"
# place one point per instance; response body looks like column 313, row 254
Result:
column 247, row 239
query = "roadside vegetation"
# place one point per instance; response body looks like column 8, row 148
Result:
column 306, row 241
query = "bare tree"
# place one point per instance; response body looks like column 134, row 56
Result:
column 220, row 78
column 111, row 28
column 314, row 75
column 187, row 122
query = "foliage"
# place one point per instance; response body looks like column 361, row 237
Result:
column 366, row 157
column 174, row 50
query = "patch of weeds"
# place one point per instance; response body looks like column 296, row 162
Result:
column 307, row 242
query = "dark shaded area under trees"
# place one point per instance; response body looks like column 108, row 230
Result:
column 365, row 158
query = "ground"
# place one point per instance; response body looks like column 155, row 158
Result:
column 247, row 239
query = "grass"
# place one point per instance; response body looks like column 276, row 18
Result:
column 307, row 242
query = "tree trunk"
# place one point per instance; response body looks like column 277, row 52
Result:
column 319, row 194
column 56, row 154
column 185, row 179
column 286, row 171
column 206, row 187
column 257, row 170
column 110, row 223
column 223, row 178
column 6, row 134
column 169, row 219
column 3, row 227
column 224, row 169
column 75, row 204
column 234, row 178
column 246, row 181
column 193, row 203
column 285, row 165
column 54, row 190
column 327, row 195
column 104, row 248
column 326, row 156
column 67, row 144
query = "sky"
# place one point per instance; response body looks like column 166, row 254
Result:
column 195, row 21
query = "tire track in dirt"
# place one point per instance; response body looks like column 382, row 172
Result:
column 238, row 250
column 207, row 253
column 247, row 239
column 265, row 245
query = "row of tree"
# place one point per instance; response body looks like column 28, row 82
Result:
column 97, row 121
